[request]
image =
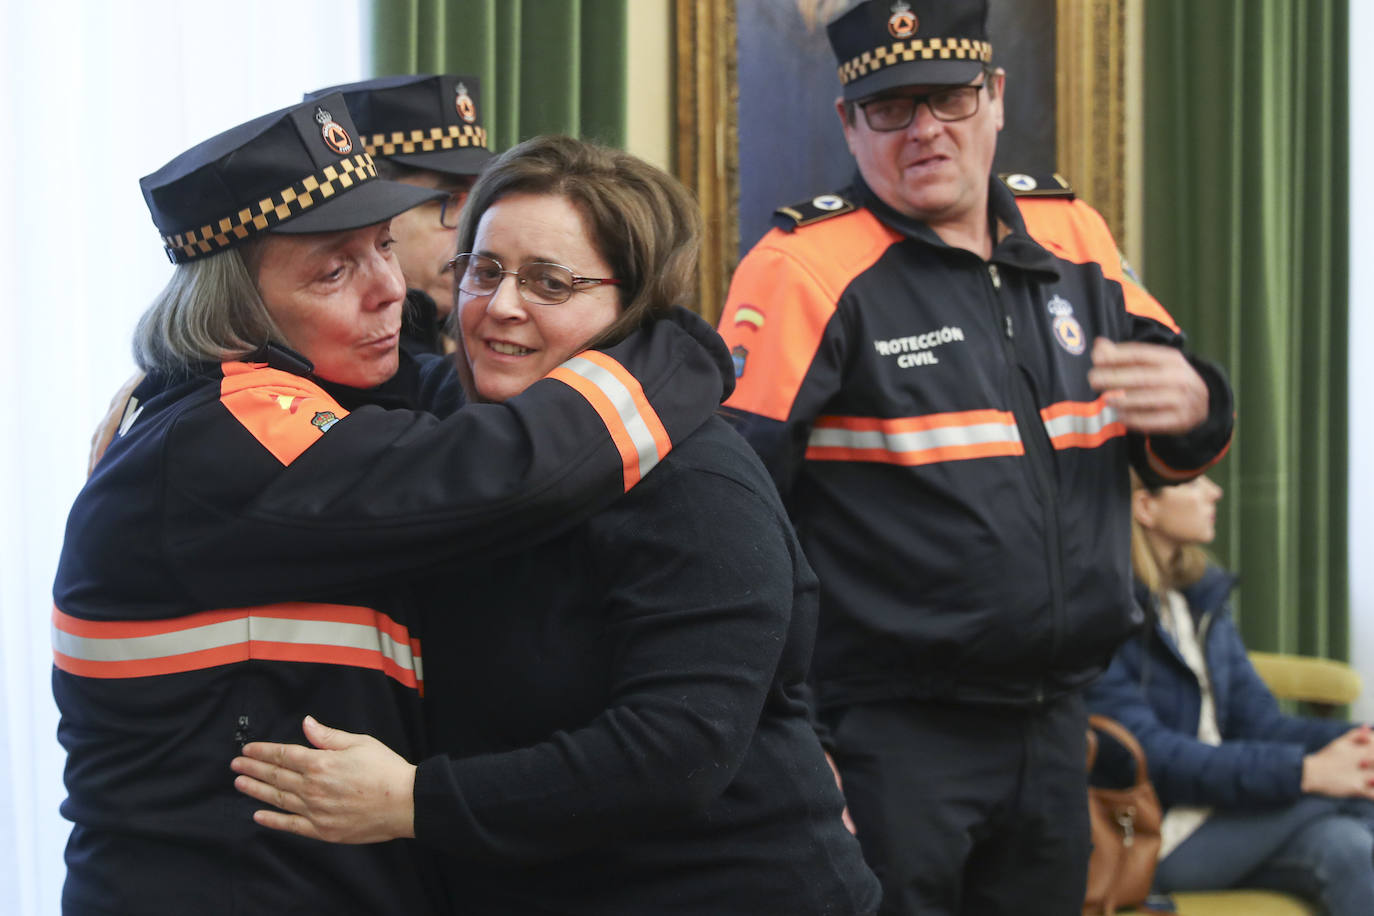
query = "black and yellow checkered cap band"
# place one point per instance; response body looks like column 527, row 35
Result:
column 270, row 211
column 901, row 52
column 426, row 141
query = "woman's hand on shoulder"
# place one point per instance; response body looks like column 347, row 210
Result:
column 347, row 789
column 1344, row 768
column 114, row 417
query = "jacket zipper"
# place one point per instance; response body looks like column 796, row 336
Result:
column 1039, row 456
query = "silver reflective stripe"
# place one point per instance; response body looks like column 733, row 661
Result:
column 1073, row 424
column 624, row 403
column 240, row 631
column 915, row 441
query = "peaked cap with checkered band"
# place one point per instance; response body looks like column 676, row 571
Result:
column 883, row 44
column 424, row 121
column 298, row 170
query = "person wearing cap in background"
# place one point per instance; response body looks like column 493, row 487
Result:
column 948, row 384
column 231, row 564
column 427, row 131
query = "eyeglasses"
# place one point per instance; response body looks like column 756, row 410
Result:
column 895, row 112
column 451, row 207
column 539, row 282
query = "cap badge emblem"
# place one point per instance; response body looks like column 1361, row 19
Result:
column 463, row 103
column 902, row 23
column 335, row 136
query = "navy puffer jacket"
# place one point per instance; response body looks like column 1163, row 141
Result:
column 1150, row 689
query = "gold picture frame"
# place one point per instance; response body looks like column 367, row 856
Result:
column 1097, row 95
column 708, row 137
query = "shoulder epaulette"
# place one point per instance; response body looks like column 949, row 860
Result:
column 1041, row 185
column 811, row 211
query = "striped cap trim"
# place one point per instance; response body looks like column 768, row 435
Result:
column 618, row 398
column 270, row 211
column 334, row 634
column 426, row 141
column 900, row 52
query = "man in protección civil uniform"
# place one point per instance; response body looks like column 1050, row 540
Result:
column 425, row 130
column 948, row 383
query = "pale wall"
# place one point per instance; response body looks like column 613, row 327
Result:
column 649, row 100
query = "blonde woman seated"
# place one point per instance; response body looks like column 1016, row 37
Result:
column 622, row 710
column 1253, row 797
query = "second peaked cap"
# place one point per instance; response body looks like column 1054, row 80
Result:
column 424, row 120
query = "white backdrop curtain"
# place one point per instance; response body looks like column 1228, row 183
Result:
column 94, row 95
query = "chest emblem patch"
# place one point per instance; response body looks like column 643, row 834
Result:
column 1067, row 331
column 324, row 419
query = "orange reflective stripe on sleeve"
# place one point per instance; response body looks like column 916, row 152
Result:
column 781, row 300
column 286, row 413
column 916, row 440
column 619, row 399
column 333, row 634
column 1076, row 232
column 1081, row 424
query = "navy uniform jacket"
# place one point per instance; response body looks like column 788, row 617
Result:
column 958, row 486
column 221, row 578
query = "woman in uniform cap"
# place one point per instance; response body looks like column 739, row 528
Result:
column 232, row 562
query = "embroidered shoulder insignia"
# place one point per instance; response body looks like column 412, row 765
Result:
column 811, row 211
column 1039, row 185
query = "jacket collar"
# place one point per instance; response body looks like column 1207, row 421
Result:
column 1205, row 596
column 399, row 391
column 1014, row 247
column 1210, row 593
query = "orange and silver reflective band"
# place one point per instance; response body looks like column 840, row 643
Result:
column 620, row 401
column 333, row 634
column 957, row 436
column 915, row 440
column 1081, row 424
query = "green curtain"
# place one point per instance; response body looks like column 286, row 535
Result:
column 547, row 66
column 1246, row 242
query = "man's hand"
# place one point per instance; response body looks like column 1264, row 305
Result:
column 839, row 783
column 354, row 789
column 1152, row 387
column 1344, row 768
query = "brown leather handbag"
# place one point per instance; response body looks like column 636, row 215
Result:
column 1125, row 825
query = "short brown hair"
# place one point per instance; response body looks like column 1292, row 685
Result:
column 642, row 220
